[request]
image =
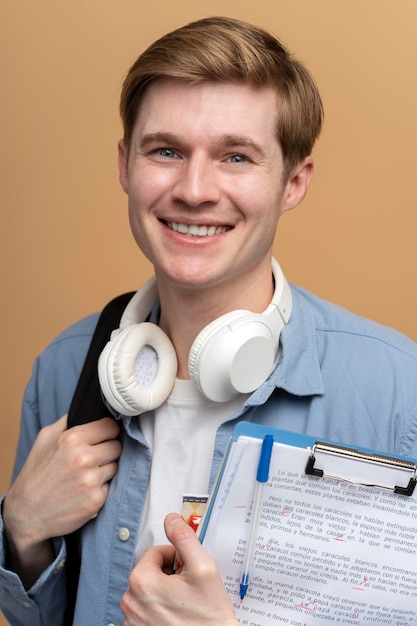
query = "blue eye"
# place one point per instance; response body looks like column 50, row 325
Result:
column 167, row 153
column 237, row 158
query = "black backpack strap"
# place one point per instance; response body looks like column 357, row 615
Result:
column 86, row 406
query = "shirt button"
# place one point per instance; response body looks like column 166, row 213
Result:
column 124, row 534
column 111, row 624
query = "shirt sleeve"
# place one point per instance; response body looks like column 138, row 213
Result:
column 41, row 605
column 47, row 397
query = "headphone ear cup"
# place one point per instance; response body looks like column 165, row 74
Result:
column 233, row 354
column 130, row 386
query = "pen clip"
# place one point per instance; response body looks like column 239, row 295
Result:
column 262, row 473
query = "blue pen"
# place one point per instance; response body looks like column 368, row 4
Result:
column 261, row 478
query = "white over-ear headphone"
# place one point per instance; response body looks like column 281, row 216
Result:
column 233, row 354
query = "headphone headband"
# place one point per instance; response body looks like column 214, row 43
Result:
column 233, row 354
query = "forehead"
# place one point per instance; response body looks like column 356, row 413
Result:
column 208, row 108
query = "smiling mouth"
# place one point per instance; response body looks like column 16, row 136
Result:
column 195, row 230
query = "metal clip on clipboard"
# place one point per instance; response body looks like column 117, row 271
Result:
column 357, row 466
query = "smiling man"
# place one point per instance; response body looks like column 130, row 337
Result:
column 204, row 174
column 219, row 126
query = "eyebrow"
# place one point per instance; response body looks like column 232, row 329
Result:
column 165, row 138
column 227, row 140
column 241, row 141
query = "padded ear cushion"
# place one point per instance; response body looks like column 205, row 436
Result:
column 128, row 393
column 233, row 354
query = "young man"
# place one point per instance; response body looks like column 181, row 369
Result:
column 219, row 126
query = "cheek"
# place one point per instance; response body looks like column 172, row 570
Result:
column 259, row 203
column 263, row 210
column 260, row 192
column 137, row 206
column 147, row 188
column 139, row 231
column 135, row 226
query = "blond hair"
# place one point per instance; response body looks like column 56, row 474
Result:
column 220, row 49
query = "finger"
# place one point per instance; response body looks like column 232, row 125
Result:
column 51, row 433
column 159, row 558
column 61, row 424
column 107, row 472
column 109, row 452
column 185, row 540
column 96, row 432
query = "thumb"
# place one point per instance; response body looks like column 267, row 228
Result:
column 52, row 432
column 184, row 539
column 177, row 530
column 61, row 424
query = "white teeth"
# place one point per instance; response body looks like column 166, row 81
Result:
column 197, row 231
column 193, row 230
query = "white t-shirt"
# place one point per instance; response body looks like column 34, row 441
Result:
column 181, row 434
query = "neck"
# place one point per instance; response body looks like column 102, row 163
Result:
column 186, row 311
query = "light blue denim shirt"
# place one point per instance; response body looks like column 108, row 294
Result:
column 339, row 377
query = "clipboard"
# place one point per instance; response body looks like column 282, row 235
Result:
column 337, row 536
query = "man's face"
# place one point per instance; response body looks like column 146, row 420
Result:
column 204, row 180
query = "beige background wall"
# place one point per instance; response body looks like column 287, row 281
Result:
column 65, row 242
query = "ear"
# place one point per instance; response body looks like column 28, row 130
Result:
column 297, row 184
column 122, row 158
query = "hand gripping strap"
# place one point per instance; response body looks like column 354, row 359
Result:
column 87, row 406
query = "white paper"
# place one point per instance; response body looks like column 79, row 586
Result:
column 327, row 550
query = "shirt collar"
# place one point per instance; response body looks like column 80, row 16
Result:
column 298, row 370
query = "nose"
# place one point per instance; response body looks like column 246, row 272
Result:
column 197, row 182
